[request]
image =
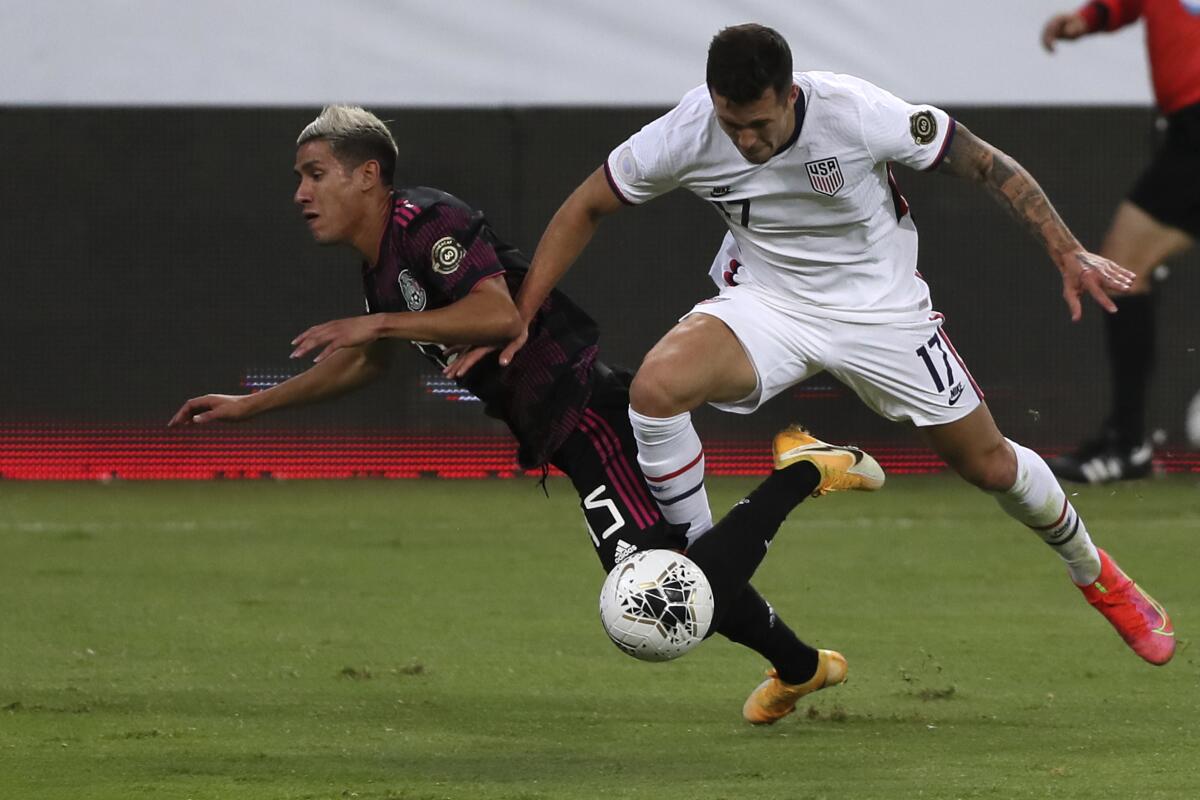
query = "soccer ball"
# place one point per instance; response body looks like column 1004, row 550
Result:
column 656, row 605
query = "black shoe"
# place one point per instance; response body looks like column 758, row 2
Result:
column 1104, row 461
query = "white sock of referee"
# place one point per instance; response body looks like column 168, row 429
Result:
column 1038, row 501
column 672, row 459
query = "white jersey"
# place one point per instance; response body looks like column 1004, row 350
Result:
column 820, row 225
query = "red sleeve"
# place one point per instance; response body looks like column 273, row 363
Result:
column 1109, row 15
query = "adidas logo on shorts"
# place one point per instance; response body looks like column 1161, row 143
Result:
column 624, row 550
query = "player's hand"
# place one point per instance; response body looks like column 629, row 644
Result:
column 212, row 408
column 1063, row 26
column 1097, row 276
column 462, row 358
column 470, row 357
column 335, row 335
column 510, row 349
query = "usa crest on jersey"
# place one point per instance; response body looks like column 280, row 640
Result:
column 825, row 175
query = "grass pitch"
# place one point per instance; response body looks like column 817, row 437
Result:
column 424, row 639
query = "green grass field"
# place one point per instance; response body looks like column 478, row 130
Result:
column 425, row 639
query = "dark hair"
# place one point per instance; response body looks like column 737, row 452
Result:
column 363, row 146
column 746, row 60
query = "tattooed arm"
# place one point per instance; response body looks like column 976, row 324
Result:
column 1015, row 189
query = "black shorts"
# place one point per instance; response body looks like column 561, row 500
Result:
column 600, row 457
column 1169, row 189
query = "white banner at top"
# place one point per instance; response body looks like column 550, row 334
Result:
column 463, row 53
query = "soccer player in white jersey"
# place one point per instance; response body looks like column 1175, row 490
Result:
column 818, row 273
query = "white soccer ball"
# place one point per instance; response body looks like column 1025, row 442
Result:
column 656, row 605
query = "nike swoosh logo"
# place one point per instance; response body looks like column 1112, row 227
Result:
column 823, row 448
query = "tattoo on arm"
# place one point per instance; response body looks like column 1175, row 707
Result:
column 1012, row 187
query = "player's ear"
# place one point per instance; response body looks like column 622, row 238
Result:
column 368, row 173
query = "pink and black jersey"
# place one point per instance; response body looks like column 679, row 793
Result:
column 434, row 252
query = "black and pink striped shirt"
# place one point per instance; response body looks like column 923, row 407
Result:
column 434, row 252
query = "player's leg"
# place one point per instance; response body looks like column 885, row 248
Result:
column 731, row 351
column 728, row 553
column 1138, row 242
column 699, row 360
column 1160, row 219
column 1028, row 492
column 599, row 457
column 1024, row 486
column 796, row 668
column 731, row 551
column 911, row 372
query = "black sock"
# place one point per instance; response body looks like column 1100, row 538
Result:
column 1131, row 346
column 731, row 550
column 751, row 621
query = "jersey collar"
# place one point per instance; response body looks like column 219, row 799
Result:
column 799, row 109
column 385, row 238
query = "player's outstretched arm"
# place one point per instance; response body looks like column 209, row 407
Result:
column 1015, row 189
column 568, row 233
column 485, row 314
column 344, row 371
column 1063, row 26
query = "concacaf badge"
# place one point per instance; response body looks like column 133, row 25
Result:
column 447, row 255
column 923, row 127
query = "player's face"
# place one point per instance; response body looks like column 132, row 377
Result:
column 329, row 195
column 758, row 128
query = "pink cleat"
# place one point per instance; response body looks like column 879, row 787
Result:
column 1138, row 617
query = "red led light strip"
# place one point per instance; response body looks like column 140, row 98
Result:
column 47, row 452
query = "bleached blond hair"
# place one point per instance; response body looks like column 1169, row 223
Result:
column 355, row 135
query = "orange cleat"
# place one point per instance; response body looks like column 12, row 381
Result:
column 1138, row 617
column 773, row 699
column 841, row 468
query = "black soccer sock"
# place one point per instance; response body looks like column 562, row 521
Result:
column 731, row 550
column 1131, row 355
column 751, row 621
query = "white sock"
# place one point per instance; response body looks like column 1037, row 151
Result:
column 1038, row 501
column 672, row 459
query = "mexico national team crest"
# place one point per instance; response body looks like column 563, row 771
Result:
column 414, row 293
column 825, row 175
column 447, row 254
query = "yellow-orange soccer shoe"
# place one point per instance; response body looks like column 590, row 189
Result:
column 773, row 699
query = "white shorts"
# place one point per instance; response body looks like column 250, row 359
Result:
column 901, row 370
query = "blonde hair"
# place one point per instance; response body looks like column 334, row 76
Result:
column 355, row 135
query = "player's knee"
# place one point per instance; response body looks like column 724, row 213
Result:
column 992, row 468
column 655, row 392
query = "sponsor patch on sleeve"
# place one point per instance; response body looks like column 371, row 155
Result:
column 923, row 127
column 447, row 254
